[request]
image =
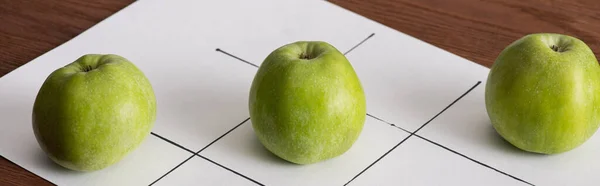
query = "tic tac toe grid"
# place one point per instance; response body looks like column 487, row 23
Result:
column 426, row 121
column 408, row 135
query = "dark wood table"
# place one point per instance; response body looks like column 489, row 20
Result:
column 474, row 29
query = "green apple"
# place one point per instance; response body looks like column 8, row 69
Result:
column 306, row 102
column 543, row 93
column 92, row 112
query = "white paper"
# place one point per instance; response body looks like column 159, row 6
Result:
column 198, row 171
column 242, row 151
column 466, row 128
column 202, row 95
column 420, row 163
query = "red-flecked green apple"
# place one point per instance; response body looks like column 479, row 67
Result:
column 543, row 93
column 92, row 112
column 306, row 102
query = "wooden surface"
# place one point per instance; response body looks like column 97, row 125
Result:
column 474, row 29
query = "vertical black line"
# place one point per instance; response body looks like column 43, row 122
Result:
column 238, row 125
column 456, row 100
column 231, row 55
column 381, row 157
column 196, row 153
column 413, row 133
column 231, row 170
column 360, row 43
column 473, row 160
column 173, row 169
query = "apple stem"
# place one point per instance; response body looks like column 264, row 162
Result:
column 87, row 68
column 305, row 56
column 555, row 48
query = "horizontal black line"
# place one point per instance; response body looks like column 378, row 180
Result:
column 231, row 55
column 172, row 169
column 171, row 142
column 29, row 170
column 391, row 124
column 238, row 125
column 478, row 162
column 231, row 170
column 360, row 43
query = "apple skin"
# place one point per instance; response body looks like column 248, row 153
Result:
column 92, row 112
column 541, row 100
column 306, row 103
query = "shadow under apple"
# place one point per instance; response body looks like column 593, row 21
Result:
column 497, row 141
column 47, row 163
column 263, row 154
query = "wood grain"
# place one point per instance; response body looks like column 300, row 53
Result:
column 33, row 27
column 474, row 29
column 479, row 29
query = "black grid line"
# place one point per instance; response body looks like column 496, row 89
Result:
column 473, row 160
column 198, row 153
column 447, row 107
column 378, row 159
column 231, row 55
column 173, row 169
column 231, row 170
column 172, row 143
column 391, row 124
column 360, row 43
column 254, row 65
column 238, row 125
column 413, row 133
column 28, row 169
